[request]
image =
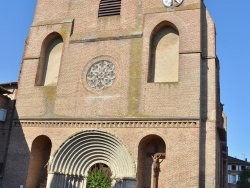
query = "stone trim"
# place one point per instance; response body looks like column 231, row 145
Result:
column 108, row 124
column 52, row 22
column 106, row 37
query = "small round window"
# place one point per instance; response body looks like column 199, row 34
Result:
column 101, row 75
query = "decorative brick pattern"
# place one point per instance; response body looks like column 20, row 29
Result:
column 109, row 124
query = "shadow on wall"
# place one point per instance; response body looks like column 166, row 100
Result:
column 24, row 168
column 204, row 97
column 18, row 156
column 37, row 171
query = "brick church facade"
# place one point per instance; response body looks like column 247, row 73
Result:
column 129, row 84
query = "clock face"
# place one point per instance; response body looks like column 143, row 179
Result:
column 170, row 3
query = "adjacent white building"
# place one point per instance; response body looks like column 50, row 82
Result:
column 235, row 166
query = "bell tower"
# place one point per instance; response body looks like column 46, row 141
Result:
column 129, row 85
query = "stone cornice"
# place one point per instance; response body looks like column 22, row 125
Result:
column 107, row 124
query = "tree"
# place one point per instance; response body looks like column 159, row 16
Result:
column 244, row 180
column 99, row 178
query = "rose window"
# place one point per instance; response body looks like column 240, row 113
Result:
column 101, row 75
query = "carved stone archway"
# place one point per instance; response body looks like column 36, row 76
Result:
column 80, row 152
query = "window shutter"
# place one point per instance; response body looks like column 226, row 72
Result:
column 3, row 114
column 109, row 8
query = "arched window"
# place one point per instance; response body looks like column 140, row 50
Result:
column 109, row 8
column 50, row 59
column 39, row 158
column 164, row 60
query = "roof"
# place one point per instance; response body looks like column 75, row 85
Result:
column 4, row 91
column 233, row 160
column 7, row 84
column 8, row 88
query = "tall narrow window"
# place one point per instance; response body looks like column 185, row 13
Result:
column 164, row 62
column 109, row 8
column 50, row 59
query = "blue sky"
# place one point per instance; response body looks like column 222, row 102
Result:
column 232, row 21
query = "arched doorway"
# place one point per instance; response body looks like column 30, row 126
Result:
column 39, row 157
column 82, row 151
column 151, row 152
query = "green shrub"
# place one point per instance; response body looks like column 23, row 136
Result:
column 98, row 178
column 244, row 181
